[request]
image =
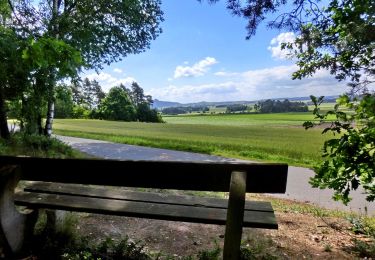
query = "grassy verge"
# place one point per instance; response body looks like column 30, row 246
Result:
column 38, row 146
column 292, row 145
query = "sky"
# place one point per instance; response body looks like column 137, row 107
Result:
column 202, row 55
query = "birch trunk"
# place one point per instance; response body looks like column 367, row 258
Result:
column 51, row 103
column 49, row 119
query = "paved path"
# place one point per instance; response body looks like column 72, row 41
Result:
column 297, row 187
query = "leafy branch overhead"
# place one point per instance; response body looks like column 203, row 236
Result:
column 338, row 36
column 349, row 160
column 103, row 31
column 59, row 37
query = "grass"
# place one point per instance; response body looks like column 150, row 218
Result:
column 276, row 140
column 274, row 120
column 38, row 146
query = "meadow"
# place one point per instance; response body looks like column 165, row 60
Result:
column 274, row 120
column 267, row 137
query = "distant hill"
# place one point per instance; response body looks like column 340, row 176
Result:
column 158, row 104
column 163, row 104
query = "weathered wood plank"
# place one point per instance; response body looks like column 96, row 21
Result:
column 196, row 214
column 121, row 194
column 209, row 176
column 235, row 216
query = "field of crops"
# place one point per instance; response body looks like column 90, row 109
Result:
column 277, row 120
column 276, row 137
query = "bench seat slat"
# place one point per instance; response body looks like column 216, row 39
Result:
column 121, row 194
column 196, row 214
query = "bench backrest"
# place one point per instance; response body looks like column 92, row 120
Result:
column 204, row 176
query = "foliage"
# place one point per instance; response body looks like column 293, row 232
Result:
column 63, row 102
column 259, row 248
column 13, row 73
column 103, row 31
column 64, row 242
column 236, row 108
column 118, row 106
column 48, row 60
column 212, row 254
column 338, row 37
column 184, row 110
column 51, row 54
column 342, row 40
column 91, row 94
column 13, row 77
column 145, row 114
column 61, row 36
column 350, row 159
column 277, row 106
column 143, row 104
column 363, row 225
column 365, row 250
column 86, row 100
column 35, row 145
column 80, row 112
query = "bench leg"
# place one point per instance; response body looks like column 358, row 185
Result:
column 15, row 227
column 235, row 214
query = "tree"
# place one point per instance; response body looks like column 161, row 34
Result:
column 137, row 95
column 339, row 37
column 117, row 105
column 143, row 103
column 64, row 102
column 276, row 106
column 92, row 93
column 102, row 31
column 48, row 60
column 13, row 75
column 350, row 158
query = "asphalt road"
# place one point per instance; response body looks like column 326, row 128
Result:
column 298, row 187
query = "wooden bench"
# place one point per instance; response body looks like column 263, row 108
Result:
column 55, row 182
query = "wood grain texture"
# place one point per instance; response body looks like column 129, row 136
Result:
column 115, row 193
column 196, row 214
column 205, row 176
column 235, row 216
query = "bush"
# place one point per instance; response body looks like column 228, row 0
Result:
column 35, row 145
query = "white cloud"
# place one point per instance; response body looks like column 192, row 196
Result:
column 108, row 81
column 225, row 74
column 275, row 45
column 258, row 84
column 198, row 69
column 117, row 70
column 195, row 93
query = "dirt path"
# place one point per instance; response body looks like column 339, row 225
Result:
column 298, row 187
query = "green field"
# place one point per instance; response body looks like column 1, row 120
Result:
column 276, row 120
column 277, row 137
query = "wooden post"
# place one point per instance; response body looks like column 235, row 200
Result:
column 15, row 227
column 235, row 214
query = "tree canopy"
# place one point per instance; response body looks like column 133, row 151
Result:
column 103, row 31
column 61, row 36
column 338, row 36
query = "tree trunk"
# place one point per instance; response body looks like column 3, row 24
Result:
column 51, row 103
column 49, row 119
column 4, row 130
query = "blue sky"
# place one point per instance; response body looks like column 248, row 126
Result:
column 202, row 55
